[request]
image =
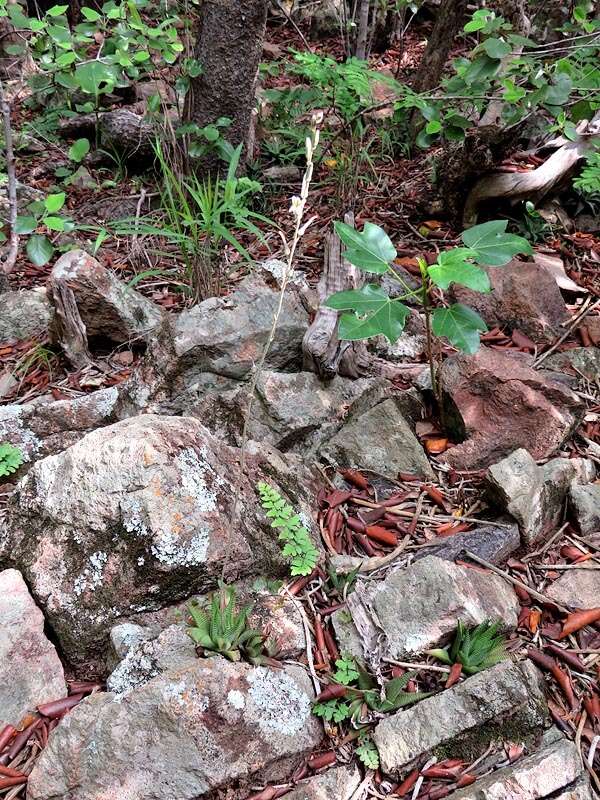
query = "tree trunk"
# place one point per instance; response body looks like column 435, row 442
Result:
column 229, row 47
column 448, row 22
column 362, row 36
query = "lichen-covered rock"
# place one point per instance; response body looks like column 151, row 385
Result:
column 461, row 721
column 577, row 588
column 524, row 297
column 494, row 543
column 381, row 440
column 108, row 308
column 553, row 767
column 418, row 607
column 585, row 505
column 42, row 429
column 24, row 315
column 496, row 403
column 182, row 735
column 535, row 496
column 30, row 669
column 339, row 783
column 577, row 361
column 138, row 515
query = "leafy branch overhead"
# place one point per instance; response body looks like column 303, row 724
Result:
column 370, row 310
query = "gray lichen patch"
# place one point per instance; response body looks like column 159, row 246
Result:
column 277, row 703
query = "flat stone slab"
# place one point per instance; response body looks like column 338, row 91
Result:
column 182, row 735
column 577, row 588
column 464, row 719
column 553, row 767
column 418, row 607
column 335, row 784
column 30, row 669
column 585, row 505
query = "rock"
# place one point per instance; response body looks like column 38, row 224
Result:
column 25, row 196
column 461, row 721
column 417, row 608
column 124, row 637
column 42, row 429
column 81, row 179
column 494, row 543
column 592, row 327
column 580, row 790
column 225, row 337
column 380, row 440
column 577, row 361
column 585, row 506
column 496, row 403
column 107, row 307
column 26, row 314
column 30, row 669
column 578, row 588
column 8, row 383
column 182, row 735
column 411, row 345
column 535, row 496
column 554, row 766
column 282, row 173
column 144, row 90
column 137, row 515
column 524, row 297
column 339, row 783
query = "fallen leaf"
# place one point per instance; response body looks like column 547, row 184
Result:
column 578, row 620
column 435, row 446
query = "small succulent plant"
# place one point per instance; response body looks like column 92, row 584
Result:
column 476, row 649
column 222, row 628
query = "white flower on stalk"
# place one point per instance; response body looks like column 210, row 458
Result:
column 296, row 207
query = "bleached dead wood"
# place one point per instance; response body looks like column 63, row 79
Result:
column 539, row 182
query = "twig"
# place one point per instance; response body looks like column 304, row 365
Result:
column 306, row 626
column 507, row 576
column 409, row 665
column 9, row 263
column 575, row 323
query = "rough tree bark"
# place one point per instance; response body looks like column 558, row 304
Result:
column 229, row 47
column 448, row 22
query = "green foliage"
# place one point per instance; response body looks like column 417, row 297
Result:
column 347, row 670
column 367, row 752
column 298, row 547
column 46, row 215
column 341, row 583
column 375, row 313
column 221, row 628
column 588, row 182
column 476, row 649
column 11, row 459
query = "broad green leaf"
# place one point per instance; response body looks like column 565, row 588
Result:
column 94, row 76
column 460, row 325
column 54, row 202
column 559, row 91
column 435, row 126
column 25, row 225
column 512, row 92
column 453, row 266
column 56, row 11
column 481, row 68
column 492, row 245
column 371, row 250
column 40, row 250
column 79, row 150
column 54, row 223
column 496, row 48
column 66, row 59
column 90, row 14
column 375, row 314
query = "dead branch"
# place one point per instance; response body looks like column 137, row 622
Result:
column 9, row 263
column 536, row 184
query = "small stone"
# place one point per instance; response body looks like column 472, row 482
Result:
column 585, row 505
column 461, row 721
column 380, row 440
column 524, row 297
column 417, row 608
column 8, row 383
column 553, row 767
column 497, row 403
column 577, row 588
column 108, row 308
column 285, row 173
column 494, row 543
column 81, row 179
column 25, row 315
column 183, row 735
column 125, row 637
column 30, row 669
column 533, row 495
column 577, row 361
column 339, row 783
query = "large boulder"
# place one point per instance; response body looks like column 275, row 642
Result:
column 182, row 735
column 25, row 315
column 30, row 669
column 418, row 607
column 464, row 719
column 535, row 496
column 495, row 403
column 108, row 308
column 524, row 297
column 138, row 515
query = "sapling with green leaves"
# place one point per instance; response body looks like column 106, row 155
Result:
column 44, row 215
column 369, row 311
